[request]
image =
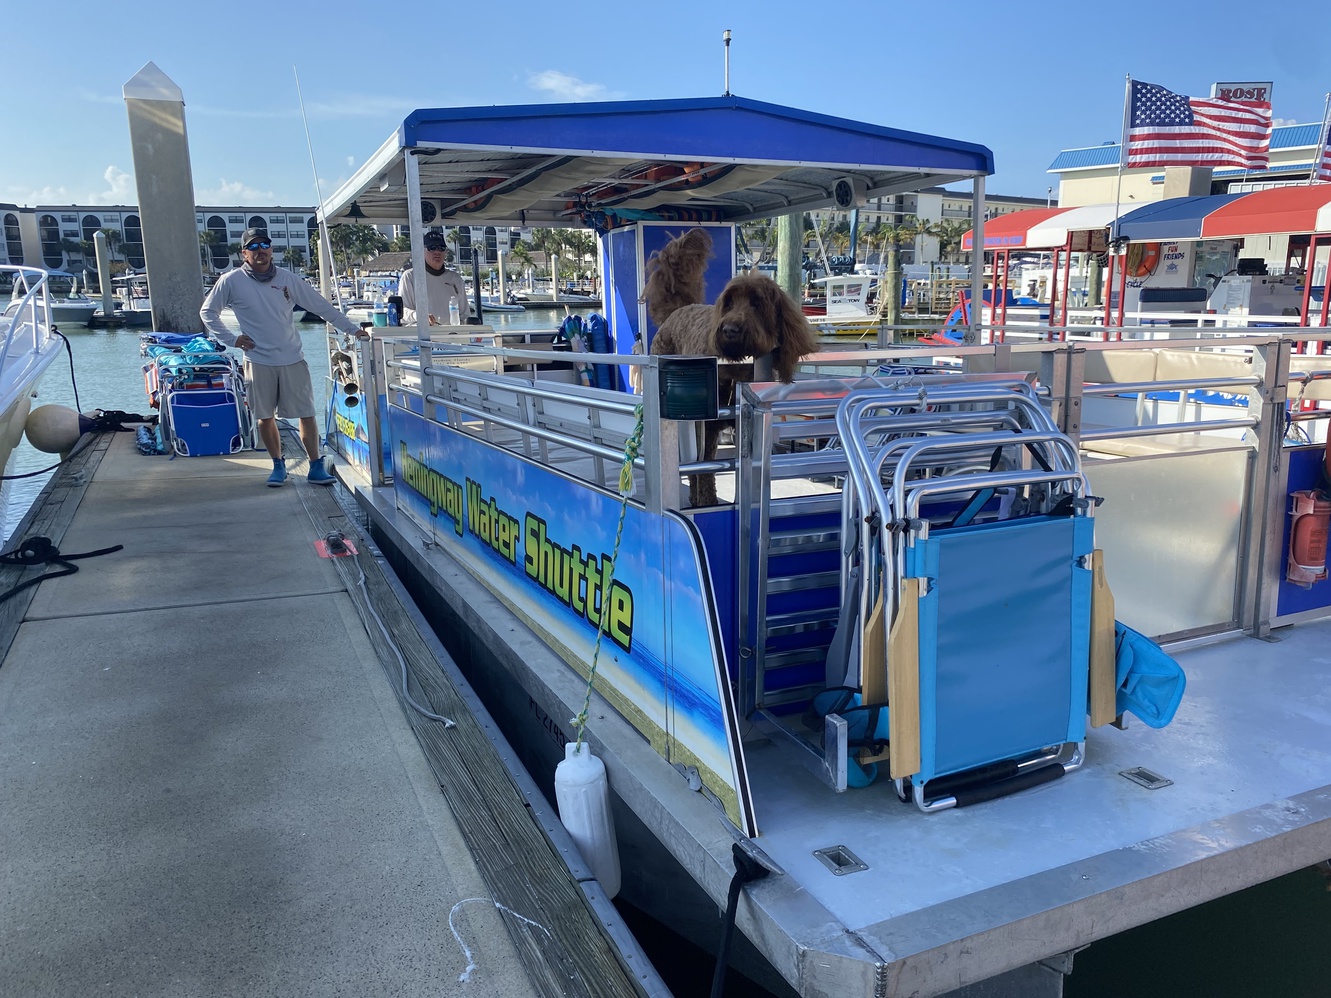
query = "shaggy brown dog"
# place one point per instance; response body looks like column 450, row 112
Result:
column 753, row 317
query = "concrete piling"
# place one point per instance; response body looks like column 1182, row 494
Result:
column 165, row 184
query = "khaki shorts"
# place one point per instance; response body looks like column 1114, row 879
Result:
column 285, row 391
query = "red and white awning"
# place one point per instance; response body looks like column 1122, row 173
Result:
column 1302, row 209
column 1046, row 228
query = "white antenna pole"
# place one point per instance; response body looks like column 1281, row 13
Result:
column 325, row 244
column 725, row 37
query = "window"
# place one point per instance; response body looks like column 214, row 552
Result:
column 236, row 220
column 221, row 257
column 13, row 239
column 278, row 219
column 257, row 222
column 48, row 230
column 491, row 244
column 91, row 223
column 69, row 218
column 132, row 242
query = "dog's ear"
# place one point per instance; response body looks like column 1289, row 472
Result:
column 796, row 338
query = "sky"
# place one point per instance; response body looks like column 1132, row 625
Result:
column 1025, row 80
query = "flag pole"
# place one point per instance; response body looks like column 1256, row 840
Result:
column 1122, row 154
column 1316, row 170
column 1118, row 195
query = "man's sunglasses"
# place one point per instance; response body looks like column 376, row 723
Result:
column 434, row 249
column 260, row 244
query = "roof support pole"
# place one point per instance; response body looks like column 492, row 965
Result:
column 972, row 336
column 790, row 254
column 417, row 234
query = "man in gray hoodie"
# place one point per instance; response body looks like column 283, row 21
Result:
column 261, row 296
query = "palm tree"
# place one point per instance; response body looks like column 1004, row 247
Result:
column 921, row 227
column 889, row 290
column 760, row 237
column 294, row 258
column 401, row 243
column 207, row 240
column 114, row 240
column 948, row 233
column 520, row 253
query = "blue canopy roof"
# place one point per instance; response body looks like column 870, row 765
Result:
column 1175, row 218
column 598, row 164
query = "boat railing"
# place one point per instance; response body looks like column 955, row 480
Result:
column 1182, row 439
column 580, row 430
column 26, row 327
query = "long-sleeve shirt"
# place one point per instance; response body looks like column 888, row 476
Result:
column 440, row 288
column 265, row 312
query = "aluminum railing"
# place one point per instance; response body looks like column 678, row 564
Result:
column 25, row 326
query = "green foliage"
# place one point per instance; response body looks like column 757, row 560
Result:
column 354, row 244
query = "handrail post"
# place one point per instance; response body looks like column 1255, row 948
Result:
column 1263, row 524
column 1062, row 372
column 660, row 445
column 373, row 383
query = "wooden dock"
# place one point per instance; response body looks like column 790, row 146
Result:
column 211, row 784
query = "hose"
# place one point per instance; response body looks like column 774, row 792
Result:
column 747, row 870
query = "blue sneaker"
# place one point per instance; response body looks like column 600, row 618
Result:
column 279, row 475
column 319, row 474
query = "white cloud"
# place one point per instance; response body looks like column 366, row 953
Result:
column 120, row 188
column 351, row 161
column 96, row 98
column 212, row 111
column 46, row 195
column 233, row 192
column 565, row 87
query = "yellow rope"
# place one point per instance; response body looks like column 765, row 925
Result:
column 631, row 449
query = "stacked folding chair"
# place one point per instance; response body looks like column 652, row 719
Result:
column 974, row 571
column 200, row 394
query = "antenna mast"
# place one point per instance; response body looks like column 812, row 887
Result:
column 725, row 37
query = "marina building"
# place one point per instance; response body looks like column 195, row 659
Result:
column 60, row 237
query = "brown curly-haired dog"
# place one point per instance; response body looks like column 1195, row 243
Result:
column 752, row 318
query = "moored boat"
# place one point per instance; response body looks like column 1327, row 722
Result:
column 932, row 530
column 28, row 345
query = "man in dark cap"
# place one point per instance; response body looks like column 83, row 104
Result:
column 442, row 286
column 262, row 296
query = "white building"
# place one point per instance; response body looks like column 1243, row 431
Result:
column 59, row 237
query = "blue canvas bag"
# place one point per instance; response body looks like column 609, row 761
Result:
column 866, row 727
column 1150, row 683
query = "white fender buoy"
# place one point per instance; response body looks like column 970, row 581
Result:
column 583, row 795
column 53, row 429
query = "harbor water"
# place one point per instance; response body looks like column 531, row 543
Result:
column 1267, row 940
column 108, row 373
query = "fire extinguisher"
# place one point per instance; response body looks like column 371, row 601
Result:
column 1310, row 511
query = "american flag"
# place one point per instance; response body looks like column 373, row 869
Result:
column 1169, row 129
column 1324, row 167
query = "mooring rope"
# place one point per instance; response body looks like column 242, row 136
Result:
column 632, row 447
